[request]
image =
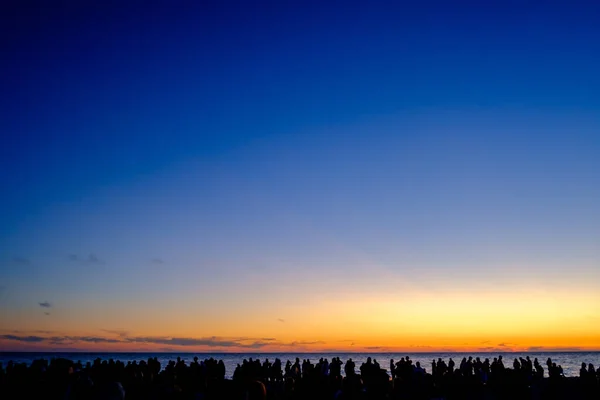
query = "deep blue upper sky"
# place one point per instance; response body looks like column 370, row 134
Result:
column 467, row 128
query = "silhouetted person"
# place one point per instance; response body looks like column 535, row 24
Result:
column 256, row 391
column 538, row 369
column 451, row 366
column 583, row 371
column 349, row 368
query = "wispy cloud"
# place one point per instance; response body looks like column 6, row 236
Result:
column 93, row 259
column 212, row 341
column 26, row 339
column 92, row 339
column 85, row 339
column 492, row 349
column 303, row 343
column 90, row 259
column 45, row 304
column 256, row 345
column 543, row 348
column 59, row 339
column 166, row 341
column 21, row 261
column 46, row 313
column 117, row 332
column 16, row 262
column 157, row 261
column 280, row 319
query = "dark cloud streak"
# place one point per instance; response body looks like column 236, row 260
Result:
column 211, row 341
column 302, row 343
column 117, row 332
column 90, row 259
column 26, row 339
column 21, row 261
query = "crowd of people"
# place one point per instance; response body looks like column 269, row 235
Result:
column 331, row 379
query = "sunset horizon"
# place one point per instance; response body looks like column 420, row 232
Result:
column 231, row 177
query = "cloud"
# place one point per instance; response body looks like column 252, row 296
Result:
column 117, row 332
column 21, row 261
column 75, row 339
column 90, row 259
column 256, row 345
column 542, row 348
column 58, row 339
column 485, row 342
column 171, row 342
column 45, row 304
column 303, row 343
column 93, row 259
column 212, row 341
column 491, row 349
column 280, row 319
column 157, row 261
column 16, row 262
column 26, row 339
column 181, row 341
column 374, row 348
column 506, row 344
column 92, row 339
column 46, row 313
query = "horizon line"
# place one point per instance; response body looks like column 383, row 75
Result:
column 299, row 352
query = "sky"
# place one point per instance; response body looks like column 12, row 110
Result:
column 300, row 176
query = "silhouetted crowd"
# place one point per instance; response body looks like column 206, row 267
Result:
column 472, row 379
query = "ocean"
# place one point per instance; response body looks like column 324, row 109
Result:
column 570, row 361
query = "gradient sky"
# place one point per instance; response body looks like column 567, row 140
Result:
column 242, row 176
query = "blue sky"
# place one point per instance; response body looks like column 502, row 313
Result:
column 193, row 149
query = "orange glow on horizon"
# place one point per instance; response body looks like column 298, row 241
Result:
column 412, row 321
